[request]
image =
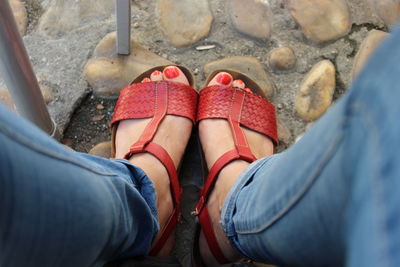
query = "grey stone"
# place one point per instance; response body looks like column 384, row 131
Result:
column 362, row 13
column 387, row 10
column 62, row 16
column 184, row 22
column 321, row 21
column 59, row 61
column 251, row 17
column 107, row 72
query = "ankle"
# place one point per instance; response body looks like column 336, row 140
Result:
column 150, row 165
column 159, row 177
column 227, row 178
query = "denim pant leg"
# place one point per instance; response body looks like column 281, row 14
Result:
column 333, row 198
column 61, row 208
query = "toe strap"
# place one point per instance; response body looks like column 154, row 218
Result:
column 248, row 109
column 141, row 100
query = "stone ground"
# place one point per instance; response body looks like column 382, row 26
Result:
column 304, row 53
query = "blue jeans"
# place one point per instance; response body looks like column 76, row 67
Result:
column 61, row 208
column 331, row 199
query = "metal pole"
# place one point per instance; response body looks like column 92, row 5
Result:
column 123, row 15
column 18, row 74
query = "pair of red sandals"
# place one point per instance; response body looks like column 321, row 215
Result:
column 157, row 99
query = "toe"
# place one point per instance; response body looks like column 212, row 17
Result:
column 222, row 78
column 156, row 76
column 146, row 80
column 174, row 74
column 238, row 83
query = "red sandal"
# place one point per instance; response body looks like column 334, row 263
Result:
column 156, row 100
column 240, row 108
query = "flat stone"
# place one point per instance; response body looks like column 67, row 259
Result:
column 20, row 15
column 387, row 10
column 282, row 58
column 62, row 16
column 184, row 22
column 249, row 66
column 5, row 99
column 321, row 21
column 316, row 90
column 251, row 17
column 361, row 13
column 107, row 72
column 367, row 48
column 101, row 150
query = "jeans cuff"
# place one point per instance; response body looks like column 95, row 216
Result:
column 229, row 207
column 145, row 187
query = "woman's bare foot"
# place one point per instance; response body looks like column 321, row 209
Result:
column 216, row 139
column 173, row 135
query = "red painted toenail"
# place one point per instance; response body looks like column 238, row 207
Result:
column 248, row 90
column 224, row 79
column 146, row 80
column 171, row 72
column 156, row 72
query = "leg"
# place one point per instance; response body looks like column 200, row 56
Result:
column 173, row 135
column 332, row 198
column 59, row 208
column 217, row 138
column 72, row 209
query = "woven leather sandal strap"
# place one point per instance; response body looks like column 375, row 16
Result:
column 256, row 112
column 139, row 100
column 160, row 110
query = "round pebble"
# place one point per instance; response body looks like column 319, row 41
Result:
column 282, row 58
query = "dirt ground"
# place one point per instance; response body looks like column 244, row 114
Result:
column 89, row 125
